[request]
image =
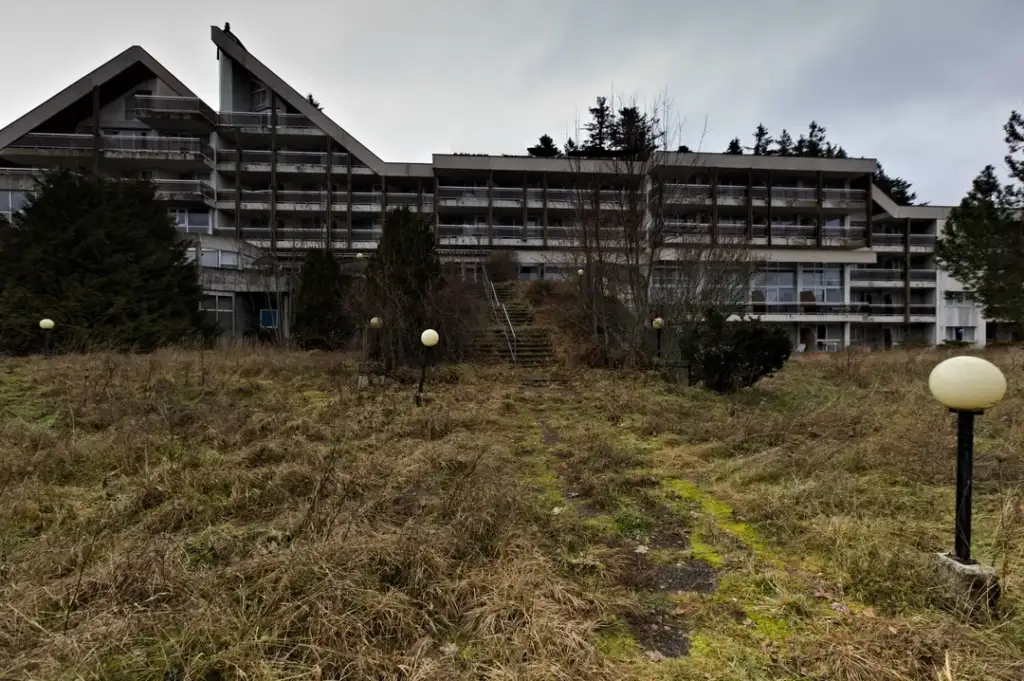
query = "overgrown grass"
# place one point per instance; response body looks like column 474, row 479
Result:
column 250, row 514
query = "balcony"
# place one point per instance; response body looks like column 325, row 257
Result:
column 462, row 196
column 845, row 309
column 173, row 114
column 308, row 162
column 124, row 152
column 252, row 124
column 917, row 241
column 184, row 191
column 463, row 231
column 871, row 275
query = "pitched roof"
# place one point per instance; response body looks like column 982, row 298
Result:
column 81, row 88
column 232, row 48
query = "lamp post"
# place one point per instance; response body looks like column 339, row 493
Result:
column 47, row 326
column 374, row 340
column 429, row 338
column 658, row 325
column 967, row 386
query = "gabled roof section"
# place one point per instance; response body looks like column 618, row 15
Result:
column 82, row 88
column 232, row 48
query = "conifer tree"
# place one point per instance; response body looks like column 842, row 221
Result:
column 102, row 259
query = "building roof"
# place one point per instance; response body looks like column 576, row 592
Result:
column 230, row 46
column 81, row 89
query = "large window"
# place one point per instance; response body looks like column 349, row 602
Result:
column 777, row 283
column 220, row 309
column 11, row 202
column 963, row 334
column 212, row 257
column 191, row 221
column 824, row 282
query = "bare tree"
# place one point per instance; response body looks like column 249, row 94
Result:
column 639, row 256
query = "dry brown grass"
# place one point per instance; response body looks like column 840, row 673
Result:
column 248, row 514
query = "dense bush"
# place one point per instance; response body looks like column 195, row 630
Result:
column 502, row 266
column 102, row 259
column 404, row 284
column 320, row 319
column 728, row 356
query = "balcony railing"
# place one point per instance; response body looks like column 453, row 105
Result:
column 866, row 309
column 453, row 231
column 252, row 119
column 172, row 189
column 479, row 193
column 146, row 105
column 507, row 194
column 366, row 198
column 396, row 199
column 875, row 274
column 895, row 239
column 115, row 143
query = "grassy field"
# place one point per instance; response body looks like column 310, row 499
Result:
column 250, row 514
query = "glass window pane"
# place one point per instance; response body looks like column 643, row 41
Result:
column 210, row 259
column 199, row 219
column 228, row 259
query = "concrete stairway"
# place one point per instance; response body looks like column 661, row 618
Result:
column 533, row 345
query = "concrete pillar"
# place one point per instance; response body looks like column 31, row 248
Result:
column 97, row 138
column 819, row 226
column 329, row 195
column 348, row 199
column 273, row 173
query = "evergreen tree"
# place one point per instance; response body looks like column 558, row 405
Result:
column 599, row 129
column 783, row 145
column 814, row 144
column 634, row 132
column 762, row 141
column 102, row 259
column 982, row 245
column 401, row 278
column 896, row 188
column 734, row 147
column 319, row 318
column 545, row 148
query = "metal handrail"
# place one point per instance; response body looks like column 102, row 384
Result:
column 492, row 298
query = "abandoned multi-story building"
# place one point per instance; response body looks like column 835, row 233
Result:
column 265, row 175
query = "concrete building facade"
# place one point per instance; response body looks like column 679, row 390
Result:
column 266, row 175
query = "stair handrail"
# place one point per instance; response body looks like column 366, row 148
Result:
column 499, row 310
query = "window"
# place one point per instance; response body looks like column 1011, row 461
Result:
column 956, row 297
column 777, row 283
column 268, row 318
column 824, row 282
column 220, row 309
column 961, row 334
column 212, row 257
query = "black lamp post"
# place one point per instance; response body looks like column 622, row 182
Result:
column 659, row 325
column 47, row 326
column 967, row 386
column 429, row 338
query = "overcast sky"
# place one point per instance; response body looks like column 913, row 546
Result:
column 922, row 85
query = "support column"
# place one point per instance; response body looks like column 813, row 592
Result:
column 544, row 210
column 97, row 137
column 273, row 175
column 383, row 201
column 437, row 184
column 329, row 196
column 490, row 208
column 846, row 334
column 714, row 205
column 419, row 197
column 750, row 205
column 819, row 227
column 238, row 186
column 869, row 207
column 348, row 211
column 906, row 272
column 526, row 230
column 769, row 226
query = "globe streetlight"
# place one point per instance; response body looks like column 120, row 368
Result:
column 429, row 338
column 47, row 326
column 376, row 322
column 659, row 325
column 967, row 386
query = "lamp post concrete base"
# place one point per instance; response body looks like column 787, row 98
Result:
column 978, row 584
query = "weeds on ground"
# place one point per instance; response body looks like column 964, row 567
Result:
column 250, row 514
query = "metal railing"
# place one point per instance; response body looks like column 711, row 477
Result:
column 192, row 189
column 500, row 313
column 80, row 142
column 262, row 119
column 146, row 105
column 866, row 309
